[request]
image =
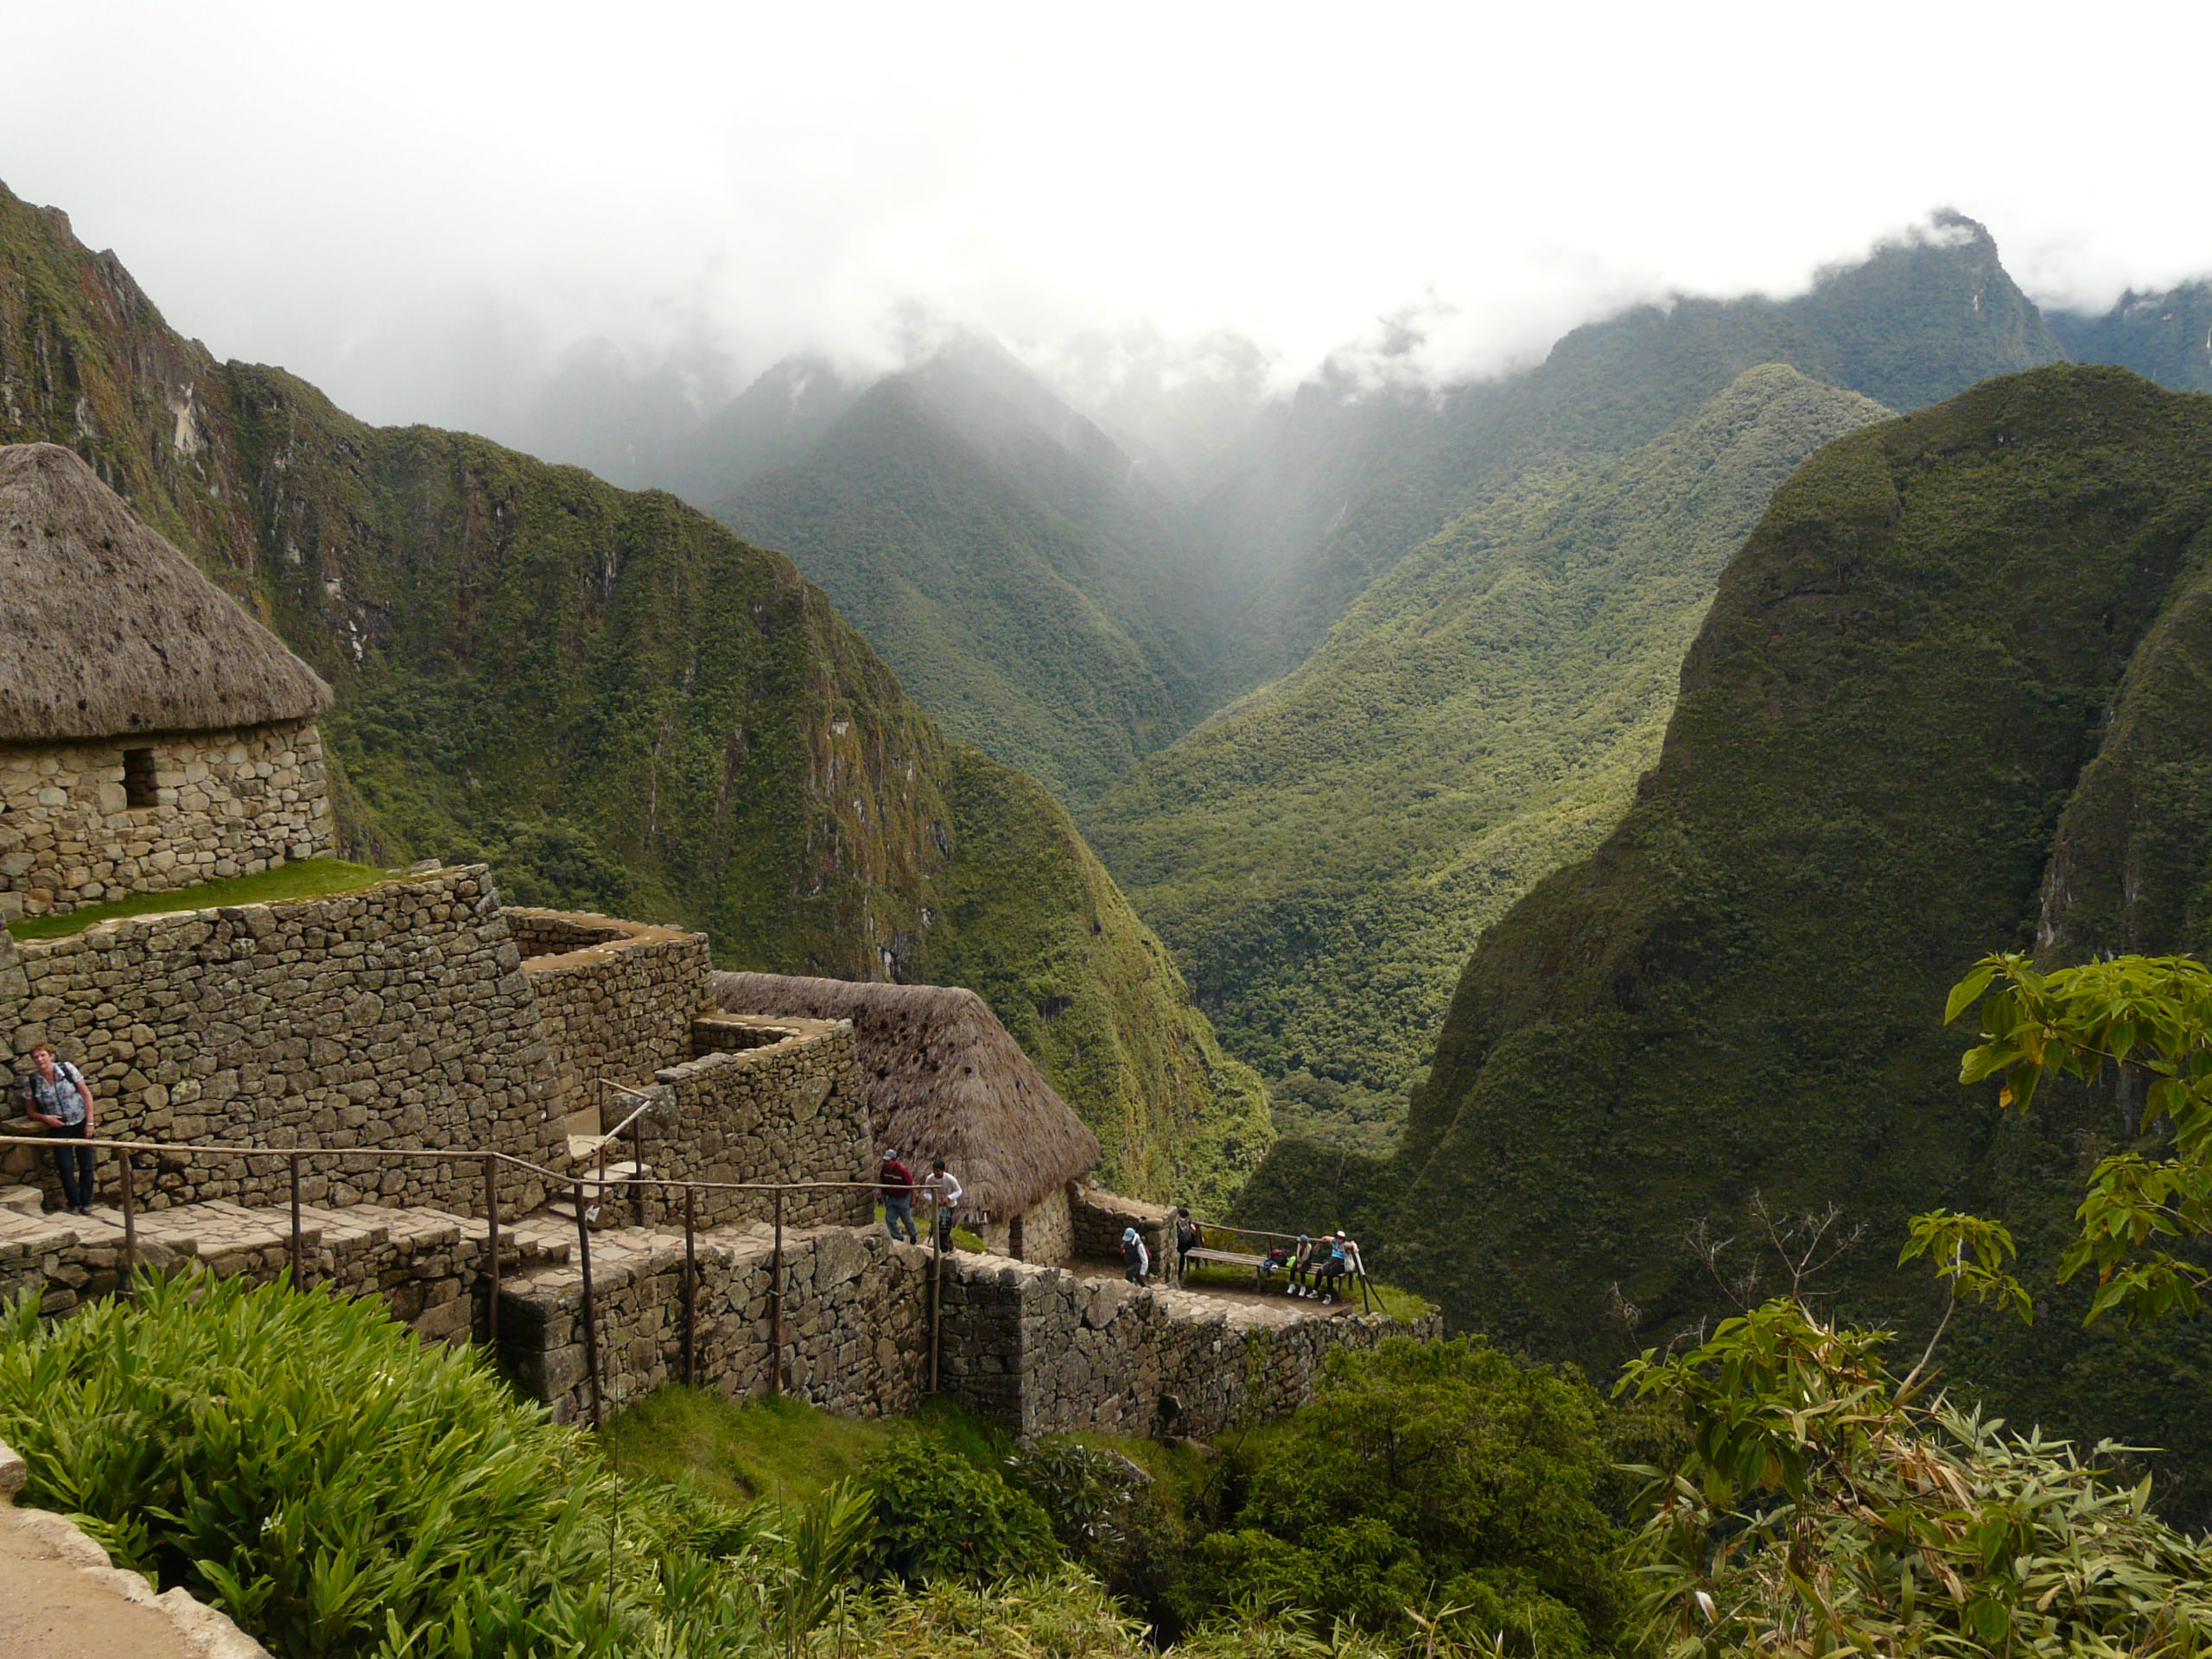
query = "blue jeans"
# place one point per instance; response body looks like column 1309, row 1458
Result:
column 898, row 1213
column 74, row 1165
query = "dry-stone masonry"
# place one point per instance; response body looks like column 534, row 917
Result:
column 794, row 1109
column 396, row 1016
column 222, row 804
column 617, row 998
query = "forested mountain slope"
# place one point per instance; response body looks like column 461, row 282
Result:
column 621, row 704
column 1323, row 857
column 1950, row 698
column 1031, row 587
column 1330, row 490
column 2167, row 337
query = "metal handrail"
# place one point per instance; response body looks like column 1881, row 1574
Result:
column 489, row 1159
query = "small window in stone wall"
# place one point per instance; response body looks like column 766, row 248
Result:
column 139, row 786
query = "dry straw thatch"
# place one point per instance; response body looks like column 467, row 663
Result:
column 945, row 1081
column 111, row 632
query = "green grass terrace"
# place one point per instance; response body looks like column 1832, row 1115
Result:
column 307, row 878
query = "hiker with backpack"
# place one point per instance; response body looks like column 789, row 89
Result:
column 944, row 1193
column 1186, row 1240
column 56, row 1095
column 1137, row 1261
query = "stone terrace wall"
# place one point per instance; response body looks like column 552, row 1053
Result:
column 227, row 804
column 426, row 1265
column 855, row 1321
column 793, row 1110
column 396, row 1016
column 1041, row 1352
column 617, row 998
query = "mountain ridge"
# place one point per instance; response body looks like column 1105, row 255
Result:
column 617, row 702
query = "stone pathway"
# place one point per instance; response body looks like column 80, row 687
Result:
column 61, row 1598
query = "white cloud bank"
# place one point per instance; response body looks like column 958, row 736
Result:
column 422, row 205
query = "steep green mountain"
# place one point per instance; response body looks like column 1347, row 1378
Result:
column 1950, row 698
column 1323, row 856
column 619, row 703
column 2166, row 337
column 1329, row 491
column 1031, row 587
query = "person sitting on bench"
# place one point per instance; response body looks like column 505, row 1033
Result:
column 1331, row 1268
column 1301, row 1268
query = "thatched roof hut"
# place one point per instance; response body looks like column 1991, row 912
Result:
column 945, row 1080
column 111, row 631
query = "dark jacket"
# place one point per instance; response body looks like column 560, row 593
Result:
column 895, row 1179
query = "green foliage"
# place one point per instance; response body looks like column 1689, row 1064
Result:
column 2149, row 1019
column 1425, row 1477
column 1816, row 1512
column 306, row 877
column 938, row 1514
column 1321, row 853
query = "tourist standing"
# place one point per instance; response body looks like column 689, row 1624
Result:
column 56, row 1093
column 896, row 1183
column 944, row 1189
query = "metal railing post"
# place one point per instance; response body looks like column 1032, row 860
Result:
column 937, row 1292
column 492, row 1249
column 775, row 1303
column 690, row 1284
column 129, row 1227
column 591, row 1324
column 299, row 1276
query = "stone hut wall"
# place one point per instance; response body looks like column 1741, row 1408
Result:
column 855, row 1323
column 396, row 1016
column 1096, row 1218
column 231, row 802
column 617, row 998
column 794, row 1109
column 1047, row 1233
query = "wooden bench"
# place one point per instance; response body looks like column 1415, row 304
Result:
column 1232, row 1259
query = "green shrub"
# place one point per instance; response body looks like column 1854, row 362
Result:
column 1426, row 1476
column 938, row 1514
column 306, row 1464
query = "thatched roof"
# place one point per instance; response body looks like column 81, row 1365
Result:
column 944, row 1081
column 111, row 631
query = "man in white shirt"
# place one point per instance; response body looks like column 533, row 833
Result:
column 944, row 1190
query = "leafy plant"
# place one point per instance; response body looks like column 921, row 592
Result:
column 939, row 1514
column 1818, row 1511
column 2147, row 1017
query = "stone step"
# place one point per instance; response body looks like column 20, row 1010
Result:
column 22, row 1200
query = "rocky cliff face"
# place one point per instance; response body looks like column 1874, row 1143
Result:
column 607, row 695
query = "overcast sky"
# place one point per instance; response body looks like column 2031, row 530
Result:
column 414, row 204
